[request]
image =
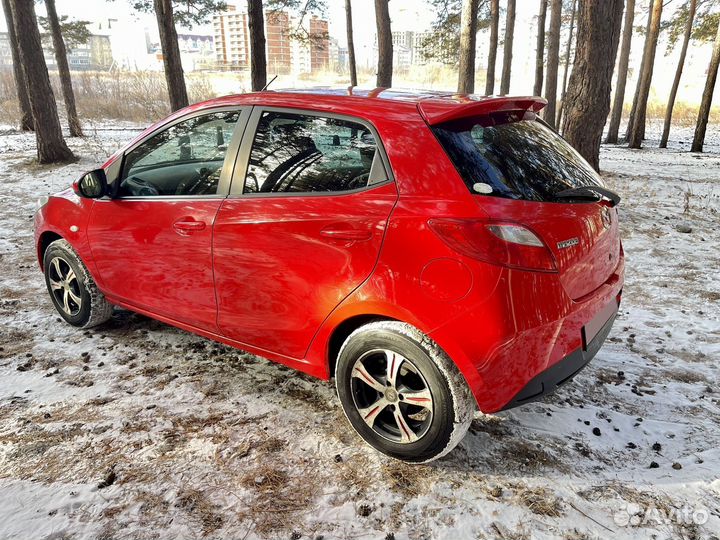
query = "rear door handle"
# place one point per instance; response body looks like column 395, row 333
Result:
column 346, row 234
column 188, row 226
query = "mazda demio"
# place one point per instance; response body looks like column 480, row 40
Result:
column 435, row 253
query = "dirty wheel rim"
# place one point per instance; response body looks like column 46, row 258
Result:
column 392, row 396
column 65, row 286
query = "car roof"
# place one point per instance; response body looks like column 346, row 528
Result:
column 435, row 106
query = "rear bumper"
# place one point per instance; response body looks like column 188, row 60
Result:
column 508, row 345
column 547, row 381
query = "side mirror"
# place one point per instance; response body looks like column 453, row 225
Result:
column 91, row 185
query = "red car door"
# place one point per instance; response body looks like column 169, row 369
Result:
column 152, row 242
column 302, row 228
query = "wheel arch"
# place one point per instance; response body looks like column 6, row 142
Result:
column 341, row 332
column 328, row 342
column 45, row 239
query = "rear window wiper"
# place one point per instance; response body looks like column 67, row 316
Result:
column 589, row 192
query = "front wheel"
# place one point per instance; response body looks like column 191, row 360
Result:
column 72, row 288
column 402, row 393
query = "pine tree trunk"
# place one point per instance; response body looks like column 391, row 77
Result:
column 678, row 75
column 492, row 47
column 171, row 55
column 588, row 97
column 385, row 45
column 619, row 101
column 63, row 69
column 258, row 60
column 553, row 62
column 26, row 119
column 566, row 72
column 706, row 102
column 637, row 130
column 636, row 97
column 351, row 43
column 468, row 31
column 508, row 48
column 51, row 147
column 540, row 50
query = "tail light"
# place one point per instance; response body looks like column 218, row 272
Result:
column 506, row 244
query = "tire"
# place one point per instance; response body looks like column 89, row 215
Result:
column 72, row 289
column 425, row 405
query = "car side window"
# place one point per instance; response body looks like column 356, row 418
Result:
column 300, row 153
column 184, row 159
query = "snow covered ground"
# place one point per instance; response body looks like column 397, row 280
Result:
column 138, row 430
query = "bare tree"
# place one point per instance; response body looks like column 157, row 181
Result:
column 540, row 50
column 508, row 48
column 468, row 32
column 637, row 130
column 385, row 45
column 566, row 71
column 706, row 102
column 351, row 43
column 618, row 102
column 553, row 61
column 678, row 74
column 51, row 147
column 492, row 47
column 588, row 97
column 636, row 97
column 174, row 74
column 63, row 69
column 258, row 60
column 26, row 119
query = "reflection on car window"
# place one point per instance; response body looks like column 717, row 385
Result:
column 301, row 153
column 185, row 159
column 514, row 155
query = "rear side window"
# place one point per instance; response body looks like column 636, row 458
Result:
column 304, row 154
column 515, row 157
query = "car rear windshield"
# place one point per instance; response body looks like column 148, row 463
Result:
column 514, row 156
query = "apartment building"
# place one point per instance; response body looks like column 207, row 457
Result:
column 232, row 40
column 285, row 52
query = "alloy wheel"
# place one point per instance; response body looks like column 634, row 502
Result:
column 392, row 396
column 65, row 286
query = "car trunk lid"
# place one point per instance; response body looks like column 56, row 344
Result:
column 521, row 171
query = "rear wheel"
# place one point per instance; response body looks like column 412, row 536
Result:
column 402, row 393
column 72, row 289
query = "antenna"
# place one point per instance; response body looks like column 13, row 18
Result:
column 269, row 83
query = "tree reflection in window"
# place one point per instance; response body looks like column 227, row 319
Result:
column 184, row 159
column 303, row 153
column 518, row 157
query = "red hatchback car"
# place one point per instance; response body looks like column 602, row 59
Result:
column 436, row 253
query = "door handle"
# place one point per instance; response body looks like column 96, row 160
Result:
column 346, row 234
column 186, row 226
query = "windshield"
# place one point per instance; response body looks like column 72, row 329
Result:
column 514, row 156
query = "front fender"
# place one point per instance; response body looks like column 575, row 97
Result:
column 66, row 216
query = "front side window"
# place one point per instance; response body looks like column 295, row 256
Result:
column 184, row 159
column 514, row 156
column 304, row 154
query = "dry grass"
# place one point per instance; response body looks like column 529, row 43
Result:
column 199, row 509
column 409, row 480
column 686, row 376
column 138, row 96
column 277, row 498
column 541, row 501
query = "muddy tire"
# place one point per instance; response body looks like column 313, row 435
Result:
column 402, row 393
column 71, row 287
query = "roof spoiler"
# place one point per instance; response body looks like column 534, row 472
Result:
column 440, row 110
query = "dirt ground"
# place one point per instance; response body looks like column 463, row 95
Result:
column 136, row 429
